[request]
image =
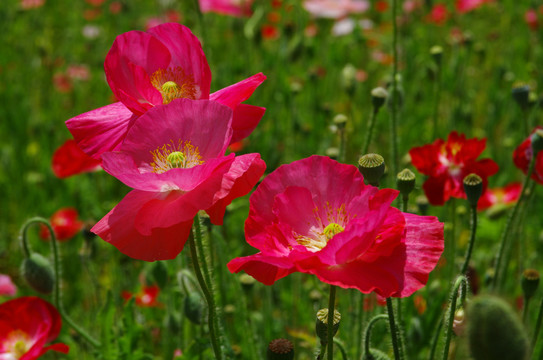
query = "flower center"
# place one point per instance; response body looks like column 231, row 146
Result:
column 332, row 229
column 173, row 83
column 173, row 155
column 18, row 343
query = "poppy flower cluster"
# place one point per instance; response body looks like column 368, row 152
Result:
column 447, row 163
column 27, row 324
column 317, row 216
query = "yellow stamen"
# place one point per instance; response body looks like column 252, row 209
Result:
column 173, row 84
column 175, row 155
column 332, row 229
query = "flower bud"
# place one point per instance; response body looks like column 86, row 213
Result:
column 340, row 121
column 321, row 326
column 459, row 322
column 473, row 187
column 372, row 166
column 521, row 94
column 537, row 141
column 280, row 349
column 530, row 282
column 494, row 330
column 332, row 152
column 405, row 180
column 38, row 273
column 379, row 96
column 437, row 54
column 247, row 281
column 194, row 307
column 348, row 79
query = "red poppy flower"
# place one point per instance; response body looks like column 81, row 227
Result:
column 500, row 196
column 149, row 69
column 523, row 155
column 70, row 160
column 65, row 224
column 530, row 16
column 146, row 297
column 464, row 6
column 447, row 163
column 316, row 216
column 439, row 14
column 227, row 7
column 26, row 325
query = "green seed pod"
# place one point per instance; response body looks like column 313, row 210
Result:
column 38, row 273
column 340, row 121
column 247, row 281
column 437, row 54
column 521, row 94
column 530, row 282
column 194, row 307
column 372, row 166
column 321, row 326
column 374, row 354
column 473, row 187
column 379, row 96
column 537, row 141
column 280, row 349
column 405, row 180
column 494, row 330
column 348, row 79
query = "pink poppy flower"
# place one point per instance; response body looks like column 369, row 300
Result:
column 523, row 155
column 500, row 196
column 316, row 216
column 26, row 325
column 7, row 287
column 146, row 69
column 447, row 163
column 227, row 7
column 464, row 6
column 70, row 160
column 65, row 223
column 335, row 9
column 173, row 157
column 438, row 15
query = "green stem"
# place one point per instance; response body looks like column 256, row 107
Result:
column 342, row 145
column 405, row 199
column 436, row 101
column 435, row 339
column 395, row 94
column 525, row 309
column 538, row 324
column 330, row 329
column 394, row 331
column 341, row 349
column 207, row 294
column 471, row 239
column 509, row 223
column 56, row 268
column 460, row 281
column 367, row 333
column 371, row 126
column 452, row 238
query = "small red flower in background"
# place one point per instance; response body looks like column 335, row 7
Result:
column 62, row 82
column 420, row 304
column 523, row 155
column 531, row 19
column 65, row 224
column 146, row 297
column 26, row 325
column 316, row 216
column 269, row 32
column 227, row 7
column 500, row 196
column 438, row 15
column 70, row 160
column 447, row 163
column 7, row 288
column 464, row 6
column 381, row 6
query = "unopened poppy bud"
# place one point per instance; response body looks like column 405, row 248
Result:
column 247, row 281
column 530, row 282
column 38, row 273
column 372, row 166
column 280, row 349
column 194, row 307
column 537, row 141
column 521, row 94
column 340, row 121
column 494, row 330
column 437, row 54
column 375, row 354
column 459, row 322
column 332, row 152
column 321, row 326
column 405, row 180
column 348, row 78
column 379, row 96
column 473, row 187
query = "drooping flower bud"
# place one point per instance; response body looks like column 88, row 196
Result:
column 530, row 282
column 405, row 180
column 38, row 273
column 537, row 141
column 280, row 349
column 379, row 96
column 494, row 330
column 473, row 187
column 321, row 326
column 372, row 166
column 194, row 307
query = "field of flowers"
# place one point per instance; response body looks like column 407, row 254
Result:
column 281, row 179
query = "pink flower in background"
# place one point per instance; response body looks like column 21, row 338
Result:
column 65, row 223
column 31, row 4
column 500, row 196
column 447, row 163
column 316, row 216
column 227, row 7
column 78, row 72
column 173, row 157
column 531, row 19
column 464, row 6
column 7, row 288
column 335, row 9
column 70, row 160
column 438, row 15
column 146, row 69
column 27, row 324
